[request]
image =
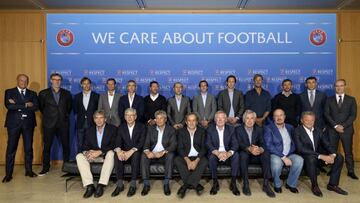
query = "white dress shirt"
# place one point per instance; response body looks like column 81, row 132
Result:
column 193, row 152
column 309, row 132
column 111, row 99
column 86, row 99
column 159, row 147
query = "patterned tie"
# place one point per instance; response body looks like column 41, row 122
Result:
column 340, row 101
column 312, row 98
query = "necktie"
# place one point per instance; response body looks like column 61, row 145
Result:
column 22, row 94
column 340, row 101
column 312, row 98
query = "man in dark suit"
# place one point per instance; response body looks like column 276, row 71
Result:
column 160, row 145
column 253, row 150
column 178, row 106
column 313, row 100
column 98, row 147
column 340, row 113
column 128, row 147
column 222, row 149
column 85, row 105
column 21, row 104
column 55, row 106
column 109, row 102
column 131, row 100
column 191, row 161
column 231, row 101
column 153, row 102
column 314, row 147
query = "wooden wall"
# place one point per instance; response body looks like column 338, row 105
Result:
column 22, row 50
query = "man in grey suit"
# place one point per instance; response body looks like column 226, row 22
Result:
column 178, row 106
column 109, row 103
column 231, row 101
column 340, row 114
column 204, row 105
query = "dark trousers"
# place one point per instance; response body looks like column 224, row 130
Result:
column 134, row 160
column 233, row 161
column 190, row 177
column 81, row 136
column 49, row 134
column 12, row 144
column 310, row 166
column 347, row 142
column 167, row 159
column 247, row 158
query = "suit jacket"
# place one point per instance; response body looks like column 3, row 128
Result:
column 317, row 108
column 344, row 116
column 184, row 142
column 174, row 115
column 257, row 137
column 206, row 112
column 238, row 102
column 168, row 139
column 304, row 145
column 274, row 141
column 83, row 114
column 112, row 114
column 108, row 140
column 137, row 140
column 138, row 104
column 15, row 111
column 213, row 142
column 52, row 112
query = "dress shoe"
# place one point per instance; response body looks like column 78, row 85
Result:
column 337, row 189
column 145, row 190
column 167, row 190
column 199, row 189
column 182, row 191
column 353, row 176
column 31, row 174
column 292, row 189
column 131, row 192
column 7, row 179
column 277, row 189
column 99, row 191
column 43, row 172
column 234, row 189
column 117, row 191
column 90, row 189
column 246, row 190
column 316, row 191
column 215, row 188
column 266, row 188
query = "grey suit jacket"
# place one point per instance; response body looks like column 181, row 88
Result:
column 238, row 102
column 174, row 115
column 112, row 115
column 206, row 112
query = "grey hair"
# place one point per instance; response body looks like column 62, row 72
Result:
column 160, row 113
column 247, row 112
column 130, row 110
column 99, row 112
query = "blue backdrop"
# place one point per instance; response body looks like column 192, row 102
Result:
column 188, row 48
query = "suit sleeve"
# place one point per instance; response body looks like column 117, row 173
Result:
column 327, row 113
column 172, row 141
column 10, row 106
column 220, row 104
column 147, row 140
column 241, row 106
column 180, row 144
column 213, row 109
column 140, row 109
column 171, row 121
column 121, row 110
column 75, row 106
column 69, row 103
column 234, row 142
column 242, row 145
column 140, row 143
column 349, row 121
column 100, row 105
column 209, row 143
column 35, row 102
column 268, row 138
column 301, row 149
column 86, row 144
column 203, row 150
column 195, row 107
column 118, row 139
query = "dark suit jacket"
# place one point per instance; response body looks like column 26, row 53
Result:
column 213, row 142
column 53, row 112
column 81, row 113
column 168, row 139
column 126, row 143
column 238, row 102
column 108, row 140
column 304, row 145
column 138, row 104
column 175, row 116
column 274, row 141
column 15, row 111
column 257, row 137
column 184, row 142
column 344, row 116
column 317, row 108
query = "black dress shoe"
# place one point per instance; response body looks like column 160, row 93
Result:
column 215, row 188
column 199, row 189
column 353, row 176
column 266, row 188
column 182, row 191
column 292, row 189
column 90, row 189
column 167, row 190
column 246, row 190
column 131, row 192
column 277, row 189
column 316, row 191
column 337, row 189
column 31, row 174
column 99, row 191
column 43, row 172
column 145, row 190
column 234, row 189
column 117, row 191
column 6, row 179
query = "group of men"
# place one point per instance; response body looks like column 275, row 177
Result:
column 230, row 129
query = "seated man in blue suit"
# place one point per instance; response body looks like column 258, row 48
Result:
column 279, row 141
column 222, row 145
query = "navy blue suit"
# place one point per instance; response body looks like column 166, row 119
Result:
column 138, row 104
column 317, row 108
column 274, row 141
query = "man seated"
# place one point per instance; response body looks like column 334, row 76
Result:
column 97, row 147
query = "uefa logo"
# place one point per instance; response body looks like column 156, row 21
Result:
column 65, row 37
column 317, row 37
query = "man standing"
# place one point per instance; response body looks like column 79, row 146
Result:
column 109, row 102
column 178, row 106
column 55, row 106
column 131, row 100
column 21, row 104
column 340, row 113
column 153, row 102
